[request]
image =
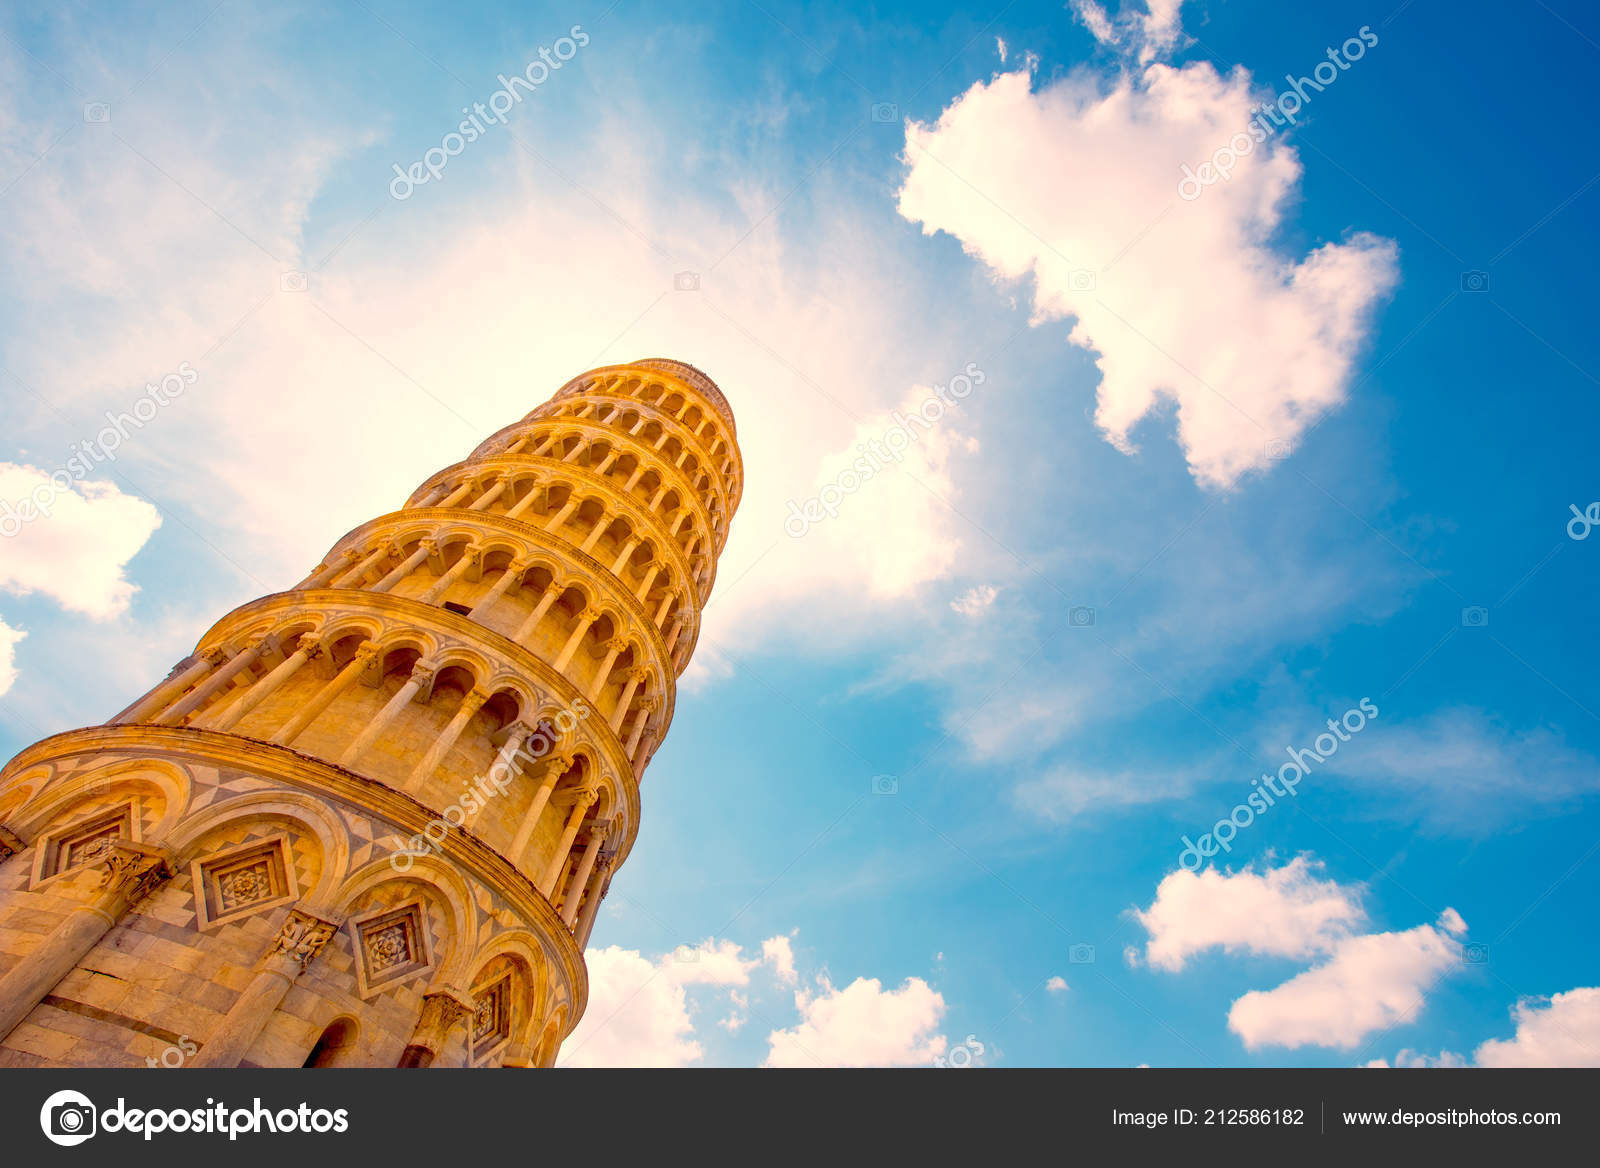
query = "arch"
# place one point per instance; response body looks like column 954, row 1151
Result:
column 316, row 817
column 336, row 1045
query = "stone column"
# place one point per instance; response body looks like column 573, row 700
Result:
column 469, row 558
column 615, row 647
column 580, row 879
column 586, row 797
column 599, row 885
column 601, row 525
column 627, row 550
column 525, row 502
column 421, row 676
column 442, row 1010
column 326, row 571
column 425, row 548
column 203, row 692
column 561, row 516
column 651, row 571
column 530, row 818
column 128, row 872
column 520, row 733
column 484, row 500
column 646, row 708
column 298, row 942
column 525, row 629
column 263, row 689
column 184, row 674
column 469, row 706
column 636, row 677
column 510, row 576
column 460, row 493
column 324, row 697
column 356, row 574
column 585, row 620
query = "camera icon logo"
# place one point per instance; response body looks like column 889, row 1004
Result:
column 1475, row 281
column 686, row 282
column 68, row 1118
column 1279, row 449
column 1476, row 953
column 885, row 785
column 96, row 111
column 885, row 111
column 1080, row 617
column 686, row 954
column 1475, row 617
column 293, row 282
column 1081, row 280
column 1081, row 954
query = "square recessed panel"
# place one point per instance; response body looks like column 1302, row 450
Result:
column 391, row 946
column 84, row 843
column 244, row 880
column 491, row 1023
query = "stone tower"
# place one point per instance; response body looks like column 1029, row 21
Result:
column 370, row 820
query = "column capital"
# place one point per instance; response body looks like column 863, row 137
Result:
column 131, row 869
column 443, row 1009
column 301, row 938
column 590, row 615
column 617, row 645
column 10, row 843
column 639, row 674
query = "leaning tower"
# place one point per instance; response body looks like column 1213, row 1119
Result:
column 370, row 820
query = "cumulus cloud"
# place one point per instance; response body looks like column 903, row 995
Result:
column 1371, row 983
column 862, row 1025
column 1056, row 985
column 639, row 1010
column 779, row 953
column 9, row 638
column 76, row 550
column 1281, row 912
column 1559, row 1031
column 1186, row 303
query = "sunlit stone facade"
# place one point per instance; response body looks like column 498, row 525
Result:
column 370, row 820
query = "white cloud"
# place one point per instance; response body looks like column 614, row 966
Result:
column 779, row 953
column 1181, row 301
column 1372, row 982
column 1282, row 912
column 1465, row 769
column 974, row 600
column 76, row 550
column 639, row 1013
column 1559, row 1031
column 1056, row 985
column 9, row 639
column 862, row 1025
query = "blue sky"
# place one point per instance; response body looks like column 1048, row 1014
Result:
column 1278, row 437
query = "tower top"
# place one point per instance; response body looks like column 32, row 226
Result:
column 687, row 372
